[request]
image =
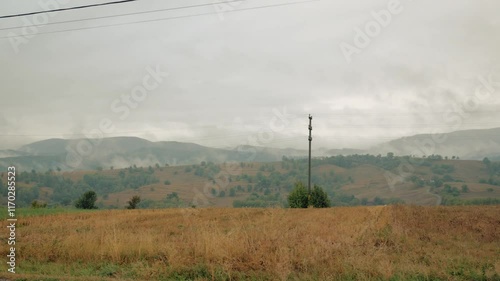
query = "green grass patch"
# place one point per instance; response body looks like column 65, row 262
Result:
column 110, row 271
column 31, row 212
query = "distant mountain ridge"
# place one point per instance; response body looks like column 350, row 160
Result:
column 122, row 152
column 466, row 144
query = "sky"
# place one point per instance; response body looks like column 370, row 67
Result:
column 228, row 73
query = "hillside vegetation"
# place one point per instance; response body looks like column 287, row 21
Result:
column 348, row 180
column 344, row 243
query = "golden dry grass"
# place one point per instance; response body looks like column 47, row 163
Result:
column 362, row 243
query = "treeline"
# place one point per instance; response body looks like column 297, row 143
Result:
column 65, row 191
column 24, row 197
column 493, row 170
column 268, row 190
column 387, row 162
column 172, row 200
column 449, row 201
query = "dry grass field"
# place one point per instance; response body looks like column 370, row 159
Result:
column 351, row 243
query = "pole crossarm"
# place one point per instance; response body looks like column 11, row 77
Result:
column 310, row 141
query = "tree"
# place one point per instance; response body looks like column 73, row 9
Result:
column 486, row 161
column 364, row 201
column 319, row 198
column 378, row 201
column 173, row 196
column 173, row 201
column 298, row 198
column 87, row 200
column 132, row 203
column 36, row 205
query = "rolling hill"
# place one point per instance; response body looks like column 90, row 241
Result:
column 122, row 152
column 467, row 144
column 348, row 180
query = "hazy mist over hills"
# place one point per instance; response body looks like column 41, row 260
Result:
column 121, row 152
column 469, row 144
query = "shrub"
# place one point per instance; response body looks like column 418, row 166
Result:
column 132, row 203
column 299, row 197
column 36, row 205
column 443, row 169
column 319, row 198
column 378, row 201
column 87, row 201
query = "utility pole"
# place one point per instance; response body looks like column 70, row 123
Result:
column 310, row 140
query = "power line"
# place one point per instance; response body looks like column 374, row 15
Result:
column 131, row 14
column 67, row 9
column 170, row 18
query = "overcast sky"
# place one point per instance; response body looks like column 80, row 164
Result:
column 368, row 71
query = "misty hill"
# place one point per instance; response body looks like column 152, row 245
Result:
column 122, row 152
column 105, row 145
column 11, row 153
column 344, row 151
column 467, row 144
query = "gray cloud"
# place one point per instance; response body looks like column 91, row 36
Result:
column 226, row 77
